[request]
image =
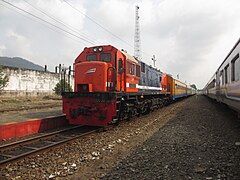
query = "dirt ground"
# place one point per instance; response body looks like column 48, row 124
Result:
column 17, row 109
column 201, row 142
column 24, row 103
column 191, row 139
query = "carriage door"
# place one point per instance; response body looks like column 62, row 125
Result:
column 120, row 75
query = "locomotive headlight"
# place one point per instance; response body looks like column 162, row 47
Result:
column 100, row 48
column 95, row 49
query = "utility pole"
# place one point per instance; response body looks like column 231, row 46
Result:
column 154, row 61
column 178, row 76
column 137, row 41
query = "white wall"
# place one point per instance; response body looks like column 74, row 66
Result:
column 23, row 81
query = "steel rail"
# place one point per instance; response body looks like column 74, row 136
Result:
column 37, row 137
column 50, row 144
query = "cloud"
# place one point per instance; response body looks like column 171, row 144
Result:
column 186, row 34
column 188, row 37
column 19, row 44
column 116, row 16
column 2, row 49
column 37, row 41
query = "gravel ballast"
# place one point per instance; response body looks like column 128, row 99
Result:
column 91, row 156
column 201, row 142
column 194, row 138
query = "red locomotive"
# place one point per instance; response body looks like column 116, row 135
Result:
column 110, row 85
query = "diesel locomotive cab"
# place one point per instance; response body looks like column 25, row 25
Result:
column 97, row 78
column 96, row 70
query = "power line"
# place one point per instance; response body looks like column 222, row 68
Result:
column 59, row 21
column 63, row 30
column 101, row 26
column 46, row 21
column 29, row 17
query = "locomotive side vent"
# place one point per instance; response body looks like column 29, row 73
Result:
column 84, row 88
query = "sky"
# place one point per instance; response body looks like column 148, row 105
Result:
column 189, row 38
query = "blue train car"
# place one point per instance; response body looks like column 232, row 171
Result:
column 150, row 79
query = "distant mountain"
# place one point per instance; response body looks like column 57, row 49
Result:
column 19, row 63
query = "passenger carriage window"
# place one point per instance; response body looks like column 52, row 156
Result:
column 226, row 73
column 120, row 66
column 222, row 77
column 142, row 67
column 233, row 67
column 91, row 57
column 233, row 70
column 106, row 57
column 237, row 69
column 137, row 70
column 133, row 70
column 130, row 68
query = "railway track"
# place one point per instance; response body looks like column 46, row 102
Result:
column 20, row 149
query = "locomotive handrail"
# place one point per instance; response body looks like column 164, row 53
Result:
column 114, row 79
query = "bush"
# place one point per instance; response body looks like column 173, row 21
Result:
column 3, row 79
column 59, row 88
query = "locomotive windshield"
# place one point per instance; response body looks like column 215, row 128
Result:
column 91, row 57
column 106, row 57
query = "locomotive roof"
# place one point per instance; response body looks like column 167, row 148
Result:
column 131, row 58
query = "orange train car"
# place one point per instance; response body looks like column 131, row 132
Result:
column 176, row 88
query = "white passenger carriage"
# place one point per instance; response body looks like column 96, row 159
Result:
column 224, row 86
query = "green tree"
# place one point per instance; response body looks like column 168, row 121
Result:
column 3, row 79
column 193, row 86
column 62, row 86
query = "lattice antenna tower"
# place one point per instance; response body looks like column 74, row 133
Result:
column 137, row 41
